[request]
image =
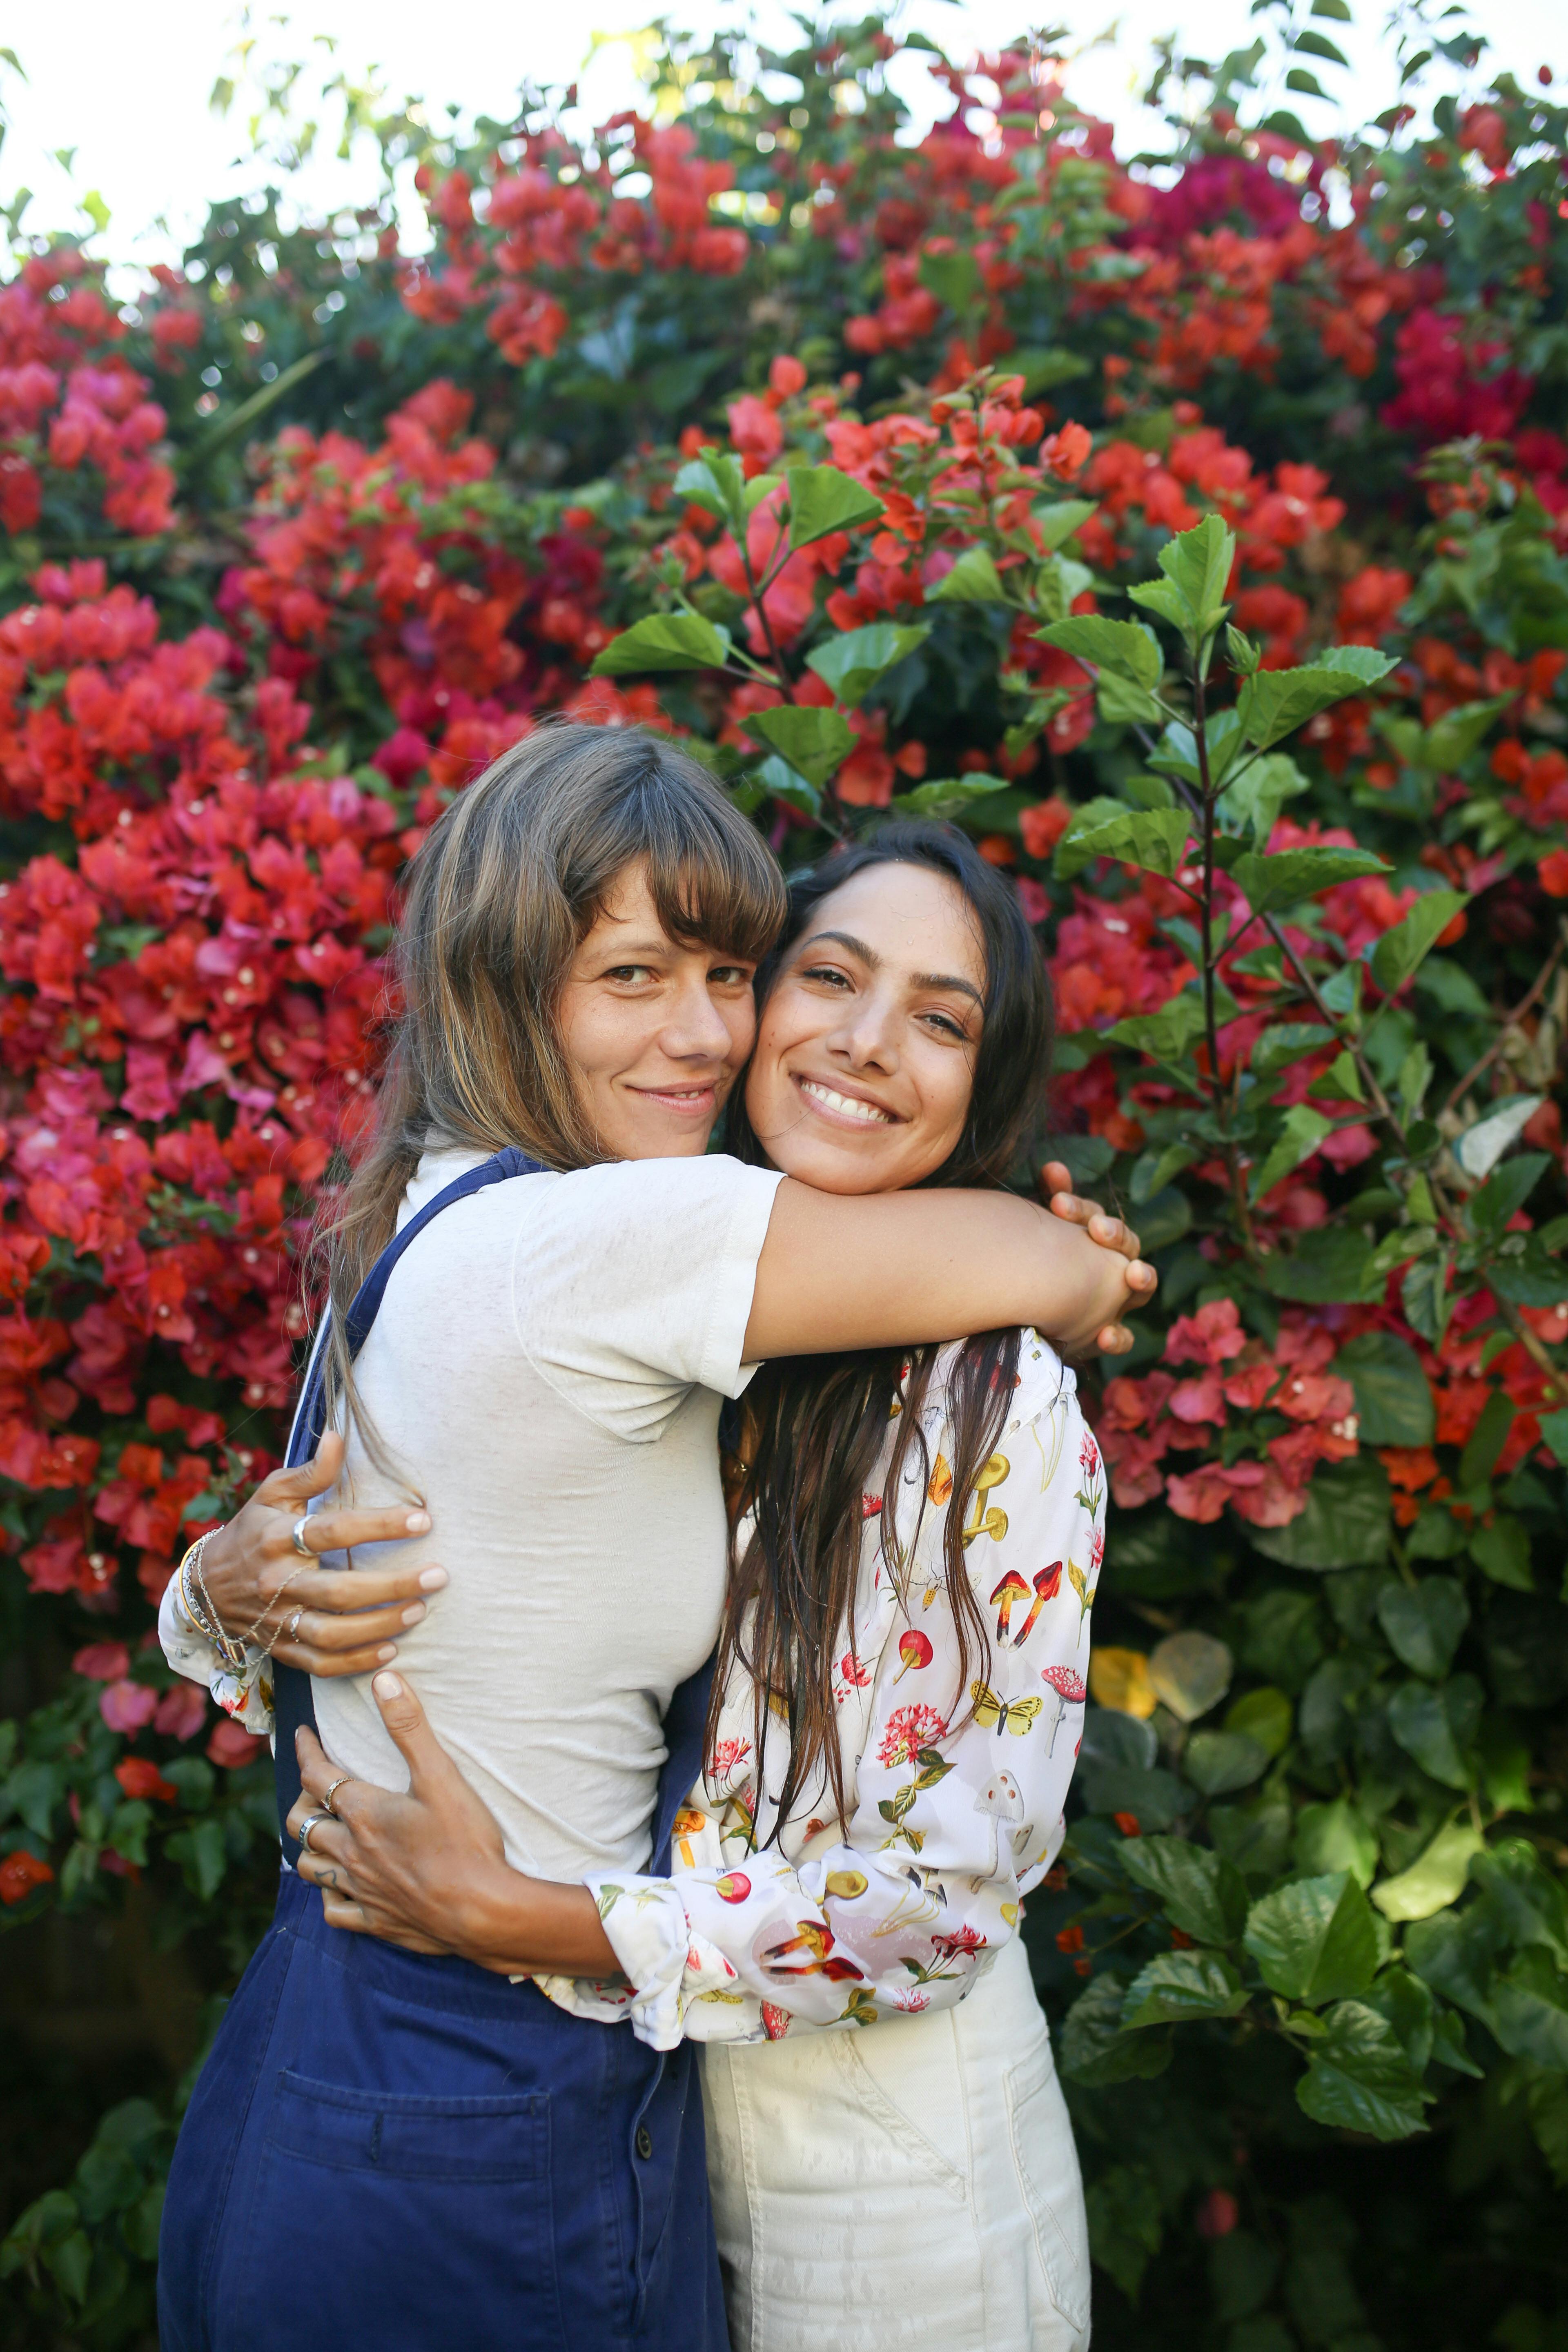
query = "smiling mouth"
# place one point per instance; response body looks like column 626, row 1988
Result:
column 848, row 1108
column 680, row 1098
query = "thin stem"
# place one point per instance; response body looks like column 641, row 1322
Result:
column 1544, row 980
column 1533, row 1347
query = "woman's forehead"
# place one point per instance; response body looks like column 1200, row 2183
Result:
column 910, row 917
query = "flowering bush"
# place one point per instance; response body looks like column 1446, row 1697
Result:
column 1203, row 549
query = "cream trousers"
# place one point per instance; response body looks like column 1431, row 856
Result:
column 909, row 2183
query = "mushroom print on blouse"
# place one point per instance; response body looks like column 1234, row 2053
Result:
column 954, row 1784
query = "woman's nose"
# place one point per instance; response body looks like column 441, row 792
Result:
column 697, row 1027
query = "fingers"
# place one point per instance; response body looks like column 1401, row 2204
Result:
column 1056, row 1179
column 333, row 1666
column 346, row 1530
column 405, row 1719
column 312, row 1477
column 1115, row 1339
column 337, row 1634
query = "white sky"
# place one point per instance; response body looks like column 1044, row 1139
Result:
column 127, row 87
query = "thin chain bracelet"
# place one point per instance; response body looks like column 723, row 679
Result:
column 206, row 1616
column 252, row 1630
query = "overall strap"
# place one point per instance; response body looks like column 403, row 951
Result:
column 293, row 1702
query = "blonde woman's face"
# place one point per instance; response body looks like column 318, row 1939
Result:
column 865, row 1062
column 656, row 1031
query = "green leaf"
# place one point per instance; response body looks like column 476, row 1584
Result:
column 1437, row 1726
column 1301, row 1132
column 1424, row 1622
column 814, row 741
column 1525, row 1894
column 1554, row 1430
column 1530, row 2010
column 946, row 796
column 1318, row 45
column 715, row 483
column 664, row 641
column 1285, row 1042
column 1487, row 1440
column 1504, row 1193
column 1434, row 1879
column 1344, row 1524
column 1093, row 2048
column 1154, row 839
column 1180, row 1984
column 1333, row 1837
column 1359, row 2077
column 1166, row 1035
column 1480, row 1147
column 1126, row 2223
column 1395, row 958
column 1259, row 793
column 1056, row 524
column 1264, row 1715
column 854, row 662
column 1298, row 79
column 1127, row 648
column 953, row 277
column 1274, row 702
column 1451, row 738
column 1392, row 1395
column 974, row 579
column 1218, row 1761
column 1191, row 1672
column 1406, row 2002
column 1502, row 1553
column 1198, row 563
column 823, row 501
column 1314, row 1940
column 1292, row 875
column 785, row 784
column 1202, row 1894
column 1426, row 1296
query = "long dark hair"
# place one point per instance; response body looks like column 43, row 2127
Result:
column 814, row 1426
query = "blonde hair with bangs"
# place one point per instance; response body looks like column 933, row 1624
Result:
column 497, row 899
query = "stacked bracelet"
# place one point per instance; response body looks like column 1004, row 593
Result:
column 200, row 1612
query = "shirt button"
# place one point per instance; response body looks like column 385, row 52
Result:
column 644, row 2142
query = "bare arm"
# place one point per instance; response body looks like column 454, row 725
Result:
column 877, row 1270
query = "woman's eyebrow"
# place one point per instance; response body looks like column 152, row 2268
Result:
column 949, row 980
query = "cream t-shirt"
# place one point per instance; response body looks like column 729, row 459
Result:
column 547, row 1368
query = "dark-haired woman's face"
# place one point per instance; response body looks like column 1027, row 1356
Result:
column 866, row 1048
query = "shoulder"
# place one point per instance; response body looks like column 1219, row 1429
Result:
column 639, row 1191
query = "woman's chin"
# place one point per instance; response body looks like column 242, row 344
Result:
column 845, row 1171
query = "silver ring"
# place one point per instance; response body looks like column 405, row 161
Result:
column 297, row 1536
column 342, row 1779
column 292, row 1631
column 311, row 1821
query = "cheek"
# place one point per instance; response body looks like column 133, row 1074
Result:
column 945, row 1092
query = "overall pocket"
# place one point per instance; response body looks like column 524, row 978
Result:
column 1046, row 2162
column 399, row 2221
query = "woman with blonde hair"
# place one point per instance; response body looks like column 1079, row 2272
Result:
column 391, row 2144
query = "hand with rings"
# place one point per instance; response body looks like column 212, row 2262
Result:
column 269, row 1556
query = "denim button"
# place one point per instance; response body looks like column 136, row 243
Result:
column 644, row 2141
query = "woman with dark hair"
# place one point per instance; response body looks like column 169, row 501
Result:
column 540, row 1289
column 895, row 1712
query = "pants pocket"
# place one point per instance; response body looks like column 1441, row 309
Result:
column 1047, row 2168
column 400, row 2221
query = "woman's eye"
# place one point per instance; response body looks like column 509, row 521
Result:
column 826, row 973
column 730, row 975
column 949, row 1027
column 630, row 972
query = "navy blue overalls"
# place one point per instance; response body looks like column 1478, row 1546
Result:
column 395, row 2152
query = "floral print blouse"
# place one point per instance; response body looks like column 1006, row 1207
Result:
column 956, row 1797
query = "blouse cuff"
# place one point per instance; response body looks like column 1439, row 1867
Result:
column 244, row 1692
column 665, row 1964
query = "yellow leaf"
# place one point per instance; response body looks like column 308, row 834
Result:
column 1120, row 1679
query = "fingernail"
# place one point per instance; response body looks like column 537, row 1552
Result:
column 387, row 1655
column 386, row 1687
column 417, row 1523
column 412, row 1616
column 431, row 1579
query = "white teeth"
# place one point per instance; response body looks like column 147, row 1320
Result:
column 845, row 1104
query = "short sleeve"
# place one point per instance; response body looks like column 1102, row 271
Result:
column 631, row 1283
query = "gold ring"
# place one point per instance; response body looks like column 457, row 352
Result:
column 332, row 1792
